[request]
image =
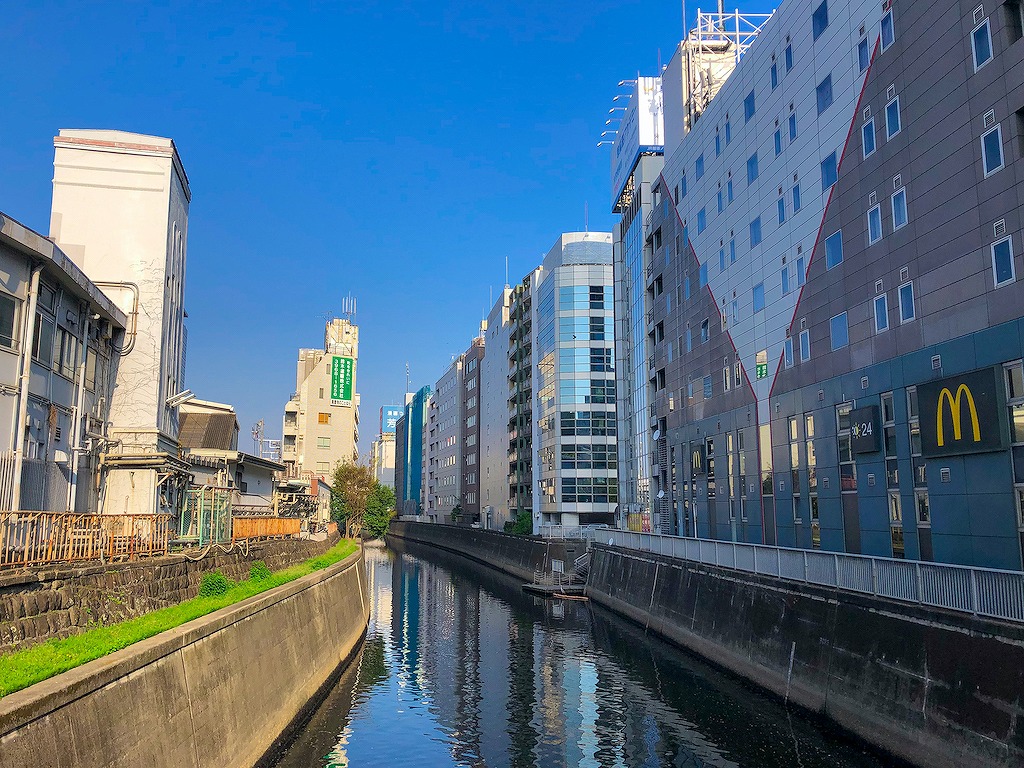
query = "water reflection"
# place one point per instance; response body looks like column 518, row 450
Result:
column 460, row 668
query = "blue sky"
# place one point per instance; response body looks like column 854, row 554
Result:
column 396, row 152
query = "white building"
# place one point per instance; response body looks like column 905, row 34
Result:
column 444, row 434
column 494, row 469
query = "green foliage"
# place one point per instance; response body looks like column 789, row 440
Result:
column 258, row 571
column 21, row 669
column 352, row 485
column 214, row 584
column 380, row 508
column 522, row 525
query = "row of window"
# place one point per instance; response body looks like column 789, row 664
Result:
column 589, row 490
column 587, row 423
column 583, row 456
column 586, row 360
column 583, row 328
column 584, row 391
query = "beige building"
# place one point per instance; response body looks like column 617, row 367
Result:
column 321, row 419
column 120, row 212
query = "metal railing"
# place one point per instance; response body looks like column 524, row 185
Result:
column 37, row 538
column 586, row 532
column 981, row 591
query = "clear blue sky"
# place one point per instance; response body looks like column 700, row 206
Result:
column 398, row 152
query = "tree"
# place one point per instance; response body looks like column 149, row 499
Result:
column 353, row 483
column 380, row 508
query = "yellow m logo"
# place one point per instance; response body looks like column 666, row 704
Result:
column 954, row 412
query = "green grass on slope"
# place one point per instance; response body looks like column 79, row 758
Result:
column 24, row 668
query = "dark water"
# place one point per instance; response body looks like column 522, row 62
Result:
column 460, row 668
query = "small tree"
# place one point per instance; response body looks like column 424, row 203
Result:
column 456, row 513
column 380, row 508
column 353, row 483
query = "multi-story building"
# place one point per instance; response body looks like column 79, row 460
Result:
column 321, row 418
column 837, row 361
column 573, row 345
column 520, row 399
column 445, row 426
column 120, row 213
column 636, row 166
column 382, row 450
column 494, row 417
column 471, row 396
column 409, row 450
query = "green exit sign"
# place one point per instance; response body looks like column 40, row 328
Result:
column 762, row 370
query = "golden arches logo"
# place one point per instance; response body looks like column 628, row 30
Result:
column 954, row 411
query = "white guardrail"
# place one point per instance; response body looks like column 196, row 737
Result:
column 980, row 591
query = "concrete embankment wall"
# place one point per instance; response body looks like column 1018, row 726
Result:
column 37, row 604
column 930, row 686
column 518, row 556
column 214, row 693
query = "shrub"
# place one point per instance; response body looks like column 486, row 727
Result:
column 214, row 584
column 258, row 571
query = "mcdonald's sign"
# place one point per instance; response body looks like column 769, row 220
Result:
column 962, row 414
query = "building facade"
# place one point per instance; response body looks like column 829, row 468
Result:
column 494, row 416
column 409, row 453
column 382, row 450
column 835, row 324
column 321, row 418
column 471, row 396
column 520, row 426
column 445, row 427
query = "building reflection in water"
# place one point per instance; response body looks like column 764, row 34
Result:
column 461, row 668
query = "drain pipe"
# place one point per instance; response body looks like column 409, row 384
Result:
column 26, row 375
column 76, row 431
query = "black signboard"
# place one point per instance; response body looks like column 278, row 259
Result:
column 697, row 459
column 962, row 414
column 865, row 430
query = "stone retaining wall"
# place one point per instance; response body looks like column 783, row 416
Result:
column 217, row 692
column 60, row 600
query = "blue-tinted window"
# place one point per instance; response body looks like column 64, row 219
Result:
column 732, row 251
column 703, row 274
column 686, row 288
column 789, row 57
column 863, row 55
column 702, row 220
column 705, row 331
column 881, row 314
column 874, row 225
column 1002, row 262
column 782, row 210
column 867, row 133
column 834, row 250
column 992, row 150
column 728, row 132
column 758, row 297
column 892, row 118
column 899, row 208
column 718, row 145
column 907, row 310
column 824, row 94
column 840, row 331
column 721, row 203
column 829, row 172
column 699, row 170
column 819, row 20
column 775, row 75
column 755, row 232
column 788, row 352
column 682, row 185
column 805, row 346
column 752, row 168
column 689, row 341
column 888, row 31
column 778, row 143
column 796, row 198
column 786, row 287
column 749, row 107
column 721, row 259
column 792, row 127
column 799, row 272
column 981, row 44
column 728, row 190
column 707, row 387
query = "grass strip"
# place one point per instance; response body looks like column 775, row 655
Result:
column 23, row 668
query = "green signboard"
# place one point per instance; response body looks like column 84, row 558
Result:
column 762, row 370
column 342, row 376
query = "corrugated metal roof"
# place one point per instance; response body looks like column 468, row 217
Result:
column 207, row 430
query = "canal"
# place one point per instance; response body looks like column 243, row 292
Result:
column 460, row 668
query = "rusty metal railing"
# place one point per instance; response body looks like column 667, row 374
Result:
column 38, row 538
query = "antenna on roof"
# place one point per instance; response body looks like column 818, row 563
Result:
column 586, row 216
column 408, row 381
column 348, row 307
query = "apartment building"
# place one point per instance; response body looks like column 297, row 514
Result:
column 494, row 416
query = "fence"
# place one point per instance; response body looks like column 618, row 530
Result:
column 36, row 538
column 205, row 516
column 981, row 591
column 586, row 532
column 261, row 526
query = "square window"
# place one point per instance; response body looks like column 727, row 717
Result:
column 782, row 210
column 981, row 45
column 840, row 331
column 824, row 94
column 755, row 232
column 819, row 20
column 834, row 250
column 805, row 346
column 874, row 225
column 892, row 118
column 867, row 134
column 1002, row 262
column 749, row 107
column 829, row 172
column 323, row 418
column 752, row 168
column 992, row 150
column 787, row 352
column 796, row 198
column 881, row 313
column 899, row 208
column 863, row 56
column 789, row 58
column 699, row 167
column 888, row 31
column 907, row 309
column 778, row 143
column 758, row 297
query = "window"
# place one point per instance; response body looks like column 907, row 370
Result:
column 758, row 297
column 778, row 143
column 686, row 288
column 682, row 185
column 840, row 331
column 824, row 94
column 721, row 259
column 323, row 467
column 1015, row 400
column 789, row 57
column 737, row 374
column 867, row 135
column 775, row 75
column 796, row 198
column 42, row 343
column 699, row 168
column 707, row 387
column 786, row 284
column 899, row 208
column 907, row 311
column 863, row 56
column 728, row 190
column 834, row 250
column 755, row 232
column 749, row 107
column 752, row 168
column 819, row 20
column 881, row 313
column 874, row 224
column 732, row 251
column 888, row 31
column 981, row 45
column 728, row 132
column 782, row 210
column 323, row 442
column 892, row 118
column 829, row 172
column 1003, row 271
column 800, row 272
column 924, row 516
column 703, row 274
column 787, row 352
column 721, row 201
column 8, row 321
column 705, row 331
column 718, row 144
column 992, row 150
column 726, row 379
column 805, row 346
column 323, row 418
column 702, row 220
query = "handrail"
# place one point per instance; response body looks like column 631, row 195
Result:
column 986, row 592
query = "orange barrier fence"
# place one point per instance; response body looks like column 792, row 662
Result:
column 260, row 527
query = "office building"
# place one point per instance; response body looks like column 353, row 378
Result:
column 382, row 450
column 445, row 427
column 409, row 453
column 494, row 416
